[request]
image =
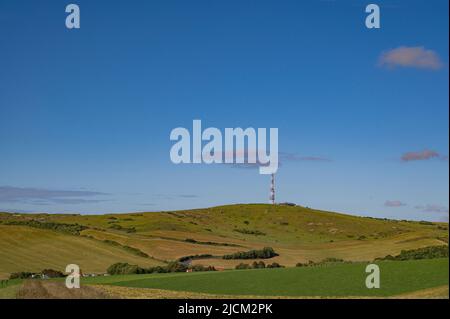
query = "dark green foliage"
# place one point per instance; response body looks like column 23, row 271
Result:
column 21, row 275
column 73, row 229
column 51, row 273
column 242, row 266
column 202, row 268
column 135, row 251
column 274, row 265
column 174, row 266
column 326, row 261
column 192, row 257
column 132, row 250
column 211, row 243
column 156, row 269
column 265, row 253
column 250, row 232
column 124, row 269
column 121, row 228
column 258, row 265
column 420, row 253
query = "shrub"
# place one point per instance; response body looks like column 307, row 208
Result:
column 242, row 266
column 265, row 253
column 258, row 265
column 51, row 273
column 326, row 261
column 132, row 250
column 21, row 275
column 193, row 241
column 73, row 229
column 250, row 232
column 274, row 265
column 175, row 266
column 202, row 268
column 420, row 253
column 124, row 269
column 121, row 228
column 193, row 257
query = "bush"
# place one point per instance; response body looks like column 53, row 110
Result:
column 258, row 265
column 265, row 253
column 242, row 266
column 175, row 266
column 274, row 265
column 326, row 261
column 202, row 268
column 250, row 232
column 73, row 229
column 193, row 241
column 124, row 269
column 121, row 228
column 21, row 275
column 51, row 273
column 157, row 269
column 192, row 257
column 420, row 253
column 132, row 250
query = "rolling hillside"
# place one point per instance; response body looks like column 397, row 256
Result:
column 298, row 234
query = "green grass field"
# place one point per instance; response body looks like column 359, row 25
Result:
column 297, row 234
column 397, row 277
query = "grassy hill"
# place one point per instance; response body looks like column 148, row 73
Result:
column 298, row 234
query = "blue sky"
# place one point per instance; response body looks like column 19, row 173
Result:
column 85, row 115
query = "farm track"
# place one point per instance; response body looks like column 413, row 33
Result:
column 37, row 289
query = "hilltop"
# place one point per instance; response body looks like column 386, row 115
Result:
column 31, row 242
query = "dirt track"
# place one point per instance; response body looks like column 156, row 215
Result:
column 37, row 289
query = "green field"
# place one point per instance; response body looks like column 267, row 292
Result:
column 297, row 234
column 397, row 277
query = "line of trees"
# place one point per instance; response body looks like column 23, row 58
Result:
column 429, row 252
column 127, row 269
column 258, row 265
column 265, row 253
column 73, row 229
column 48, row 273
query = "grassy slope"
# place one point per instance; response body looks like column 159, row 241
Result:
column 335, row 280
column 29, row 249
column 298, row 234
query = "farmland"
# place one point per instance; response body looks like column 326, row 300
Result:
column 335, row 280
column 399, row 279
column 31, row 242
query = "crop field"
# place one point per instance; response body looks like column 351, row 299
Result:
column 397, row 277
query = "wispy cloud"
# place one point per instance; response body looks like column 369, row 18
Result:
column 40, row 196
column 432, row 208
column 283, row 158
column 421, row 156
column 174, row 196
column 186, row 196
column 411, row 57
column 292, row 157
column 394, row 203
